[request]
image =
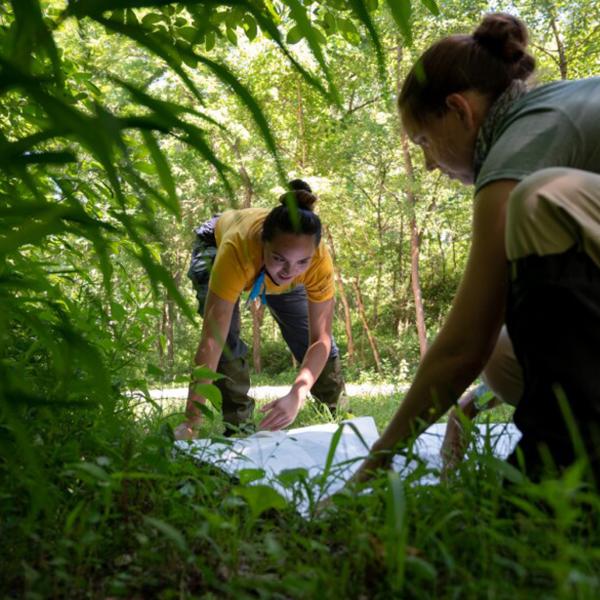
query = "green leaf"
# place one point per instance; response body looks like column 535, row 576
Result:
column 335, row 440
column 362, row 13
column 205, row 411
column 401, row 11
column 155, row 44
column 422, row 568
column 294, row 35
column 167, row 120
column 231, row 36
column 504, row 469
column 298, row 13
column 396, row 529
column 247, row 476
column 210, row 40
column 164, row 172
column 172, row 534
column 117, row 311
column 211, row 392
column 329, row 23
column 260, row 498
column 32, row 32
column 152, row 19
column 250, row 27
column 432, row 6
column 95, row 471
column 189, row 34
column 244, row 95
column 267, row 24
column 290, row 477
column 348, row 31
column 206, row 373
column 154, row 371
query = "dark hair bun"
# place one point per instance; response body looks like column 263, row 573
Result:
column 299, row 184
column 505, row 37
column 301, row 193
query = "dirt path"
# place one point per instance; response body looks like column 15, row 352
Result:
column 173, row 399
column 269, row 392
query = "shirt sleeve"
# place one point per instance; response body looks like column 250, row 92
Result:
column 228, row 277
column 537, row 140
column 319, row 278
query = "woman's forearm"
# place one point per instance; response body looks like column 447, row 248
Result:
column 314, row 361
column 217, row 319
column 207, row 355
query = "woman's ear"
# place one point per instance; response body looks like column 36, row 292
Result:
column 460, row 105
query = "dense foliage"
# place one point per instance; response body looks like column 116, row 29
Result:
column 123, row 124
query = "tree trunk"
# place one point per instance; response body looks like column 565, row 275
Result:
column 442, row 256
column 166, row 351
column 343, row 297
column 383, row 173
column 301, row 155
column 170, row 328
column 563, row 63
column 245, row 177
column 398, row 274
column 365, row 323
column 161, row 330
column 414, row 232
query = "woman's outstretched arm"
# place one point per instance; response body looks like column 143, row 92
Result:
column 283, row 411
column 215, row 326
column 467, row 337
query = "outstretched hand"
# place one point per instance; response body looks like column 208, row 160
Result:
column 453, row 446
column 188, row 430
column 280, row 412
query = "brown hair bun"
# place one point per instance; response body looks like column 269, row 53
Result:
column 301, row 192
column 503, row 35
column 487, row 61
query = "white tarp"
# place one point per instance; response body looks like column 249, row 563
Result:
column 299, row 465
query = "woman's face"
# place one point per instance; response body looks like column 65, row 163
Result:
column 447, row 141
column 288, row 255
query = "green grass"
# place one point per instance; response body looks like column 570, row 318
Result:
column 119, row 516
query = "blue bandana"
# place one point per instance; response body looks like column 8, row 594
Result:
column 258, row 289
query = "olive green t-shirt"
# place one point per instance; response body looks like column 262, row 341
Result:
column 554, row 125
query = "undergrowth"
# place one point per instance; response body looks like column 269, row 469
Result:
column 103, row 508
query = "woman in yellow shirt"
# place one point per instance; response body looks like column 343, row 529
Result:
column 279, row 256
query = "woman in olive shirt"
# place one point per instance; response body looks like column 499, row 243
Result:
column 534, row 263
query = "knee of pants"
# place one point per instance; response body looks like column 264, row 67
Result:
column 502, row 373
column 538, row 220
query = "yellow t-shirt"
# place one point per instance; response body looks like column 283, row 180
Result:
column 239, row 260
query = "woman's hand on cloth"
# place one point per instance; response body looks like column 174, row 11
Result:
column 453, row 446
column 281, row 412
column 378, row 459
column 188, row 430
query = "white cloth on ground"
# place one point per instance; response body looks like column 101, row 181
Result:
column 295, row 462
